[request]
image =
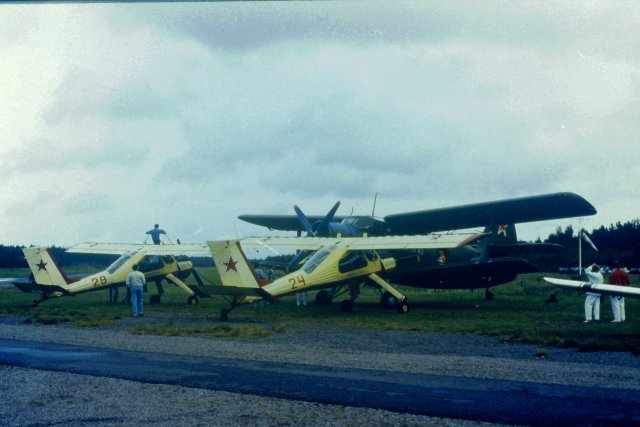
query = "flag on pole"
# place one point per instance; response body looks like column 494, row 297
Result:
column 586, row 239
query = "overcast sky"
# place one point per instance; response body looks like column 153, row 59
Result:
column 114, row 117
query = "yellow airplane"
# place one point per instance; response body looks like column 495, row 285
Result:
column 50, row 281
column 338, row 261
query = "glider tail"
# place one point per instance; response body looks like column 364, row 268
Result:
column 233, row 266
column 45, row 269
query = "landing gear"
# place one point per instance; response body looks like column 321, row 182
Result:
column 323, row 298
column 387, row 300
column 154, row 299
column 224, row 316
column 192, row 300
column 403, row 307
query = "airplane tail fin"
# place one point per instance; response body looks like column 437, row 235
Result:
column 234, row 267
column 502, row 234
column 45, row 269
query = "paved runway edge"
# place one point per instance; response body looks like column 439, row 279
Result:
column 499, row 401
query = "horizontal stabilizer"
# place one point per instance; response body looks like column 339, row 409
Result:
column 622, row 291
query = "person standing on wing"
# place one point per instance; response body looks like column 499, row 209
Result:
column 592, row 303
column 155, row 233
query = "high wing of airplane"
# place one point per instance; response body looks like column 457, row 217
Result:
column 575, row 285
column 337, row 262
column 48, row 279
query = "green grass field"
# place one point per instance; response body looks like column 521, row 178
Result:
column 518, row 313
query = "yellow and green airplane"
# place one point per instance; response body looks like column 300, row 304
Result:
column 48, row 279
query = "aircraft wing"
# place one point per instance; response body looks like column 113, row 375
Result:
column 191, row 249
column 622, row 291
column 429, row 241
column 283, row 222
column 509, row 211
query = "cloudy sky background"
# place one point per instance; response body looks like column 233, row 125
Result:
column 116, row 116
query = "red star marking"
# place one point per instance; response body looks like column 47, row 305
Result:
column 42, row 265
column 502, row 229
column 231, row 265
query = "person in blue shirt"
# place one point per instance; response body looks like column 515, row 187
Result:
column 155, row 234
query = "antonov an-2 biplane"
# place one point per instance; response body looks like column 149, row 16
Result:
column 48, row 279
column 337, row 262
column 491, row 262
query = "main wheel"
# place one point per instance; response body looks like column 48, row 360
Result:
column 192, row 300
column 323, row 298
column 387, row 300
column 224, row 316
column 403, row 307
column 155, row 299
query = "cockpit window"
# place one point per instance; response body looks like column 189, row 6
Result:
column 317, row 258
column 352, row 261
column 118, row 263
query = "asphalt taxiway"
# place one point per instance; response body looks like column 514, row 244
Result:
column 497, row 401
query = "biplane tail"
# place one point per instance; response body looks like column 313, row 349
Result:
column 234, row 268
column 45, row 269
column 504, row 234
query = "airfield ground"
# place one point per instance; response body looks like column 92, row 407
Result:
column 446, row 333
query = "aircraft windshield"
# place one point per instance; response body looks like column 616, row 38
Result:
column 362, row 222
column 317, row 258
column 118, row 263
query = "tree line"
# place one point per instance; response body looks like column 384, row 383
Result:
column 617, row 242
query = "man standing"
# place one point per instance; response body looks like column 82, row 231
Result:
column 621, row 278
column 592, row 303
column 155, row 234
column 136, row 281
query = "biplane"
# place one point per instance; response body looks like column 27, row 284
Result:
column 491, row 262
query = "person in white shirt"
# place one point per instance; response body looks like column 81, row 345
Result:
column 136, row 282
column 592, row 303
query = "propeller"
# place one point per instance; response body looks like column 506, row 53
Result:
column 318, row 228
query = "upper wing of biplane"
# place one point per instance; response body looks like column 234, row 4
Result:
column 622, row 291
column 508, row 211
column 191, row 249
column 429, row 241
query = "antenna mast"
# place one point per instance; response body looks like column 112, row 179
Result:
column 375, row 199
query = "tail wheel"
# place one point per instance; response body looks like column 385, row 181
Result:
column 192, row 300
column 403, row 307
column 387, row 300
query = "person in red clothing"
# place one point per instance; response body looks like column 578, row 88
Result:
column 619, row 277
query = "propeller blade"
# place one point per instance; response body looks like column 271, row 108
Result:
column 303, row 219
column 323, row 226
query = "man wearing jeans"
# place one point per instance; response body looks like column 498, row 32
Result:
column 136, row 281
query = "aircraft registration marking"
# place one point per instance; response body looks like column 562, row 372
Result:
column 99, row 281
column 297, row 282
